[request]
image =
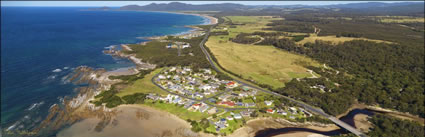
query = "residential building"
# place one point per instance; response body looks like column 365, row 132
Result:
column 270, row 111
column 237, row 116
column 268, row 103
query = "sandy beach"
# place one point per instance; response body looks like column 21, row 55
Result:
column 132, row 120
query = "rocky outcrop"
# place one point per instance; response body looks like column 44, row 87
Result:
column 76, row 108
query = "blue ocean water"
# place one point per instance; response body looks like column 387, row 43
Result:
column 35, row 41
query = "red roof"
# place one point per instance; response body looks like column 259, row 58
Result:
column 269, row 110
column 196, row 104
column 229, row 103
column 230, row 83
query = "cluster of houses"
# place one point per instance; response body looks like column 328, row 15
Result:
column 189, row 85
column 292, row 110
column 186, row 103
column 178, row 44
column 227, row 99
column 191, row 35
column 184, row 81
column 222, row 122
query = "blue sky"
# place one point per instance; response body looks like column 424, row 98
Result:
column 122, row 3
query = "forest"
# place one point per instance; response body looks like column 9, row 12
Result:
column 390, row 75
column 155, row 52
column 386, row 126
column 245, row 38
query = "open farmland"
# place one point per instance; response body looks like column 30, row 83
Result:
column 263, row 64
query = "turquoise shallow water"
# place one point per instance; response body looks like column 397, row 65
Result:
column 40, row 45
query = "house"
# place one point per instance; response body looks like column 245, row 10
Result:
column 168, row 46
column 212, row 100
column 161, row 77
column 268, row 103
column 207, row 71
column 308, row 114
column 291, row 117
column 173, row 69
column 187, row 69
column 205, row 87
column 181, row 102
column 228, row 103
column 249, row 104
column 246, row 113
column 270, row 111
column 245, row 88
column 224, row 97
column 252, row 93
column 229, row 118
column 239, row 104
column 187, row 45
column 243, row 94
column 213, row 110
column 282, row 112
column 196, row 106
column 231, row 84
column 176, row 77
column 188, row 104
column 153, row 97
column 293, row 110
column 176, row 100
column 196, row 94
column 207, row 93
column 203, row 108
column 237, row 116
column 220, row 126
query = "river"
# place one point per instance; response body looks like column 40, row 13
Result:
column 349, row 119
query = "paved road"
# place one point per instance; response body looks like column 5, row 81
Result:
column 306, row 106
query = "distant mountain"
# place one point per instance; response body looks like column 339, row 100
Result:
column 372, row 5
column 404, row 8
column 377, row 8
column 177, row 6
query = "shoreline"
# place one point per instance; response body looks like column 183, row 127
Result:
column 75, row 108
column 86, row 110
column 138, row 62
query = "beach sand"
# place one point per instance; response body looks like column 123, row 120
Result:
column 130, row 121
column 258, row 124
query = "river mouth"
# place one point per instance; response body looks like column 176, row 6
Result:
column 349, row 119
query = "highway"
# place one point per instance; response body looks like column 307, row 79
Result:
column 306, row 106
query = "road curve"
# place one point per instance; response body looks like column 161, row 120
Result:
column 306, row 106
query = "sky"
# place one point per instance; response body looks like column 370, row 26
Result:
column 123, row 3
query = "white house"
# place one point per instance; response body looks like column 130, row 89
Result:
column 268, row 103
column 237, row 116
column 161, row 77
column 187, row 45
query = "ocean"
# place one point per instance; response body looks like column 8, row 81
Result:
column 40, row 45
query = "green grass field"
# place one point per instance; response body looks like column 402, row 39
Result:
column 398, row 19
column 144, row 85
column 177, row 110
column 264, row 64
column 334, row 39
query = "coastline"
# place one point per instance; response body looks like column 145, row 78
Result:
column 245, row 130
column 79, row 107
